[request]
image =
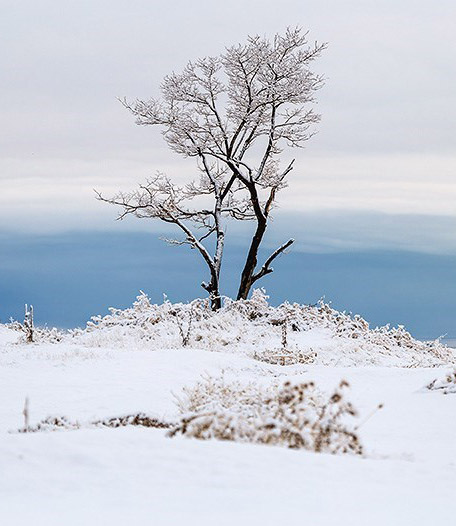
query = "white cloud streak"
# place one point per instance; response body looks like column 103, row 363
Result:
column 385, row 145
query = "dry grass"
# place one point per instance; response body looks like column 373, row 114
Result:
column 446, row 384
column 294, row 416
column 56, row 423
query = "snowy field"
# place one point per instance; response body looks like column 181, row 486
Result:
column 92, row 475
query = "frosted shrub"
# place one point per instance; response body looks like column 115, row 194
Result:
column 166, row 325
column 27, row 327
column 33, row 334
column 255, row 328
column 446, row 384
column 139, row 419
column 294, row 416
column 48, row 335
column 51, row 423
column 59, row 423
column 254, row 308
column 285, row 355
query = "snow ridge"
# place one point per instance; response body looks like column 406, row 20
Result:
column 287, row 334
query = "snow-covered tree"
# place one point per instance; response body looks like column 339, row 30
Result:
column 232, row 114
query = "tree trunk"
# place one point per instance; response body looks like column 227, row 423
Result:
column 216, row 301
column 213, row 287
column 251, row 261
column 214, row 292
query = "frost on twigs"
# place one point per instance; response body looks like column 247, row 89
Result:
column 56, row 423
column 232, row 116
column 166, row 325
column 285, row 355
column 287, row 334
column 28, row 325
column 139, row 419
column 295, row 416
column 32, row 333
column 446, row 384
column 51, row 423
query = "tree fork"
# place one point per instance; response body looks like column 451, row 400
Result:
column 251, row 262
column 250, row 277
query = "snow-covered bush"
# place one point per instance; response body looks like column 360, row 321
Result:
column 139, row 419
column 286, row 356
column 38, row 335
column 51, row 423
column 145, row 324
column 446, row 384
column 294, row 416
column 56, row 423
column 33, row 334
column 315, row 333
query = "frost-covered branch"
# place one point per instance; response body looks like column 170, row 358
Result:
column 266, row 268
column 233, row 114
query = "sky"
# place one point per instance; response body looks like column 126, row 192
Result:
column 377, row 182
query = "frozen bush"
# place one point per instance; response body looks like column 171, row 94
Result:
column 34, row 334
column 446, row 384
column 255, row 328
column 51, row 423
column 295, row 416
column 286, row 356
column 56, row 423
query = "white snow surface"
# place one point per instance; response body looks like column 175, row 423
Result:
column 98, row 476
column 445, row 384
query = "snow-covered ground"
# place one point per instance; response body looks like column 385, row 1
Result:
column 100, row 476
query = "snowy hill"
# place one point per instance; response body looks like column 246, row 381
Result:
column 292, row 333
column 135, row 361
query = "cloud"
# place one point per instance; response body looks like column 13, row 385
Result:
column 384, row 148
column 56, row 195
column 342, row 231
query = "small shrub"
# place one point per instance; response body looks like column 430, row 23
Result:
column 140, row 419
column 294, row 416
column 248, row 325
column 56, row 423
column 51, row 423
column 285, row 355
column 33, row 334
column 446, row 385
column 282, row 356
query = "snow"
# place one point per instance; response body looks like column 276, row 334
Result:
column 110, row 476
column 114, row 476
column 254, row 328
column 446, row 384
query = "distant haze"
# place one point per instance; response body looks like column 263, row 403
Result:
column 70, row 277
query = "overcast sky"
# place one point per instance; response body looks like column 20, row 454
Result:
column 380, row 173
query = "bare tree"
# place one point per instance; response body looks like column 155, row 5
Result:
column 233, row 114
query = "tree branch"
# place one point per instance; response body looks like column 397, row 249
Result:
column 266, row 269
